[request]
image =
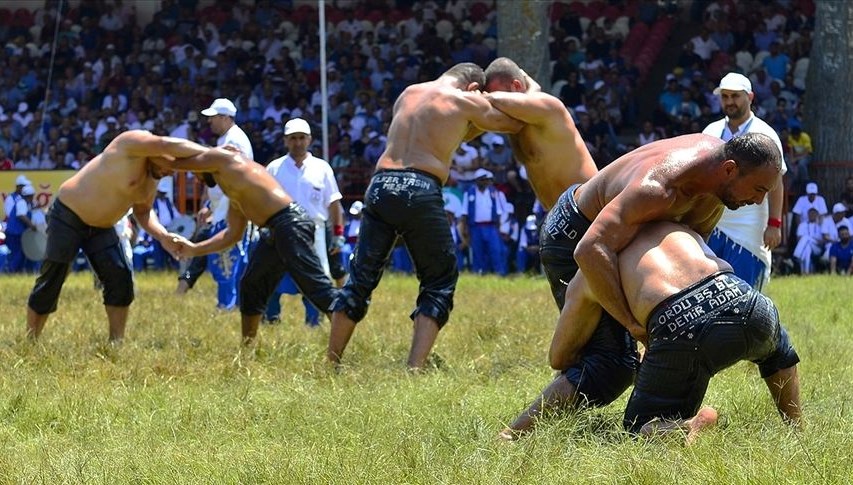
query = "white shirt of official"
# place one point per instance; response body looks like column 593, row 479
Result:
column 237, row 137
column 313, row 187
column 746, row 225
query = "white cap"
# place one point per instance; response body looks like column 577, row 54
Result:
column 811, row 188
column 483, row 173
column 297, row 125
column 356, row 207
column 498, row 140
column 598, row 85
column 221, row 106
column 839, row 207
column 530, row 223
column 23, row 107
column 112, row 119
column 734, row 82
column 28, row 190
column 22, row 180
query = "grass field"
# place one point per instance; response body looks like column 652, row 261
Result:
column 181, row 402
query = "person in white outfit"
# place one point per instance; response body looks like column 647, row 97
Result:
column 226, row 267
column 311, row 183
column 744, row 238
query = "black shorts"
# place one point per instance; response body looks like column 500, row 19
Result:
column 406, row 203
column 66, row 235
column 607, row 365
column 609, row 360
column 698, row 332
column 561, row 230
column 287, row 247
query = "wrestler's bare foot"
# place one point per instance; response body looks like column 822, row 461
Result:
column 509, row 434
column 705, row 418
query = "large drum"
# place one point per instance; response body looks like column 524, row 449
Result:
column 183, row 225
column 34, row 244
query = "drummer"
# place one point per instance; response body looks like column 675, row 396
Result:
column 20, row 221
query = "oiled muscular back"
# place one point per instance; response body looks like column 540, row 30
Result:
column 662, row 163
column 103, row 190
column 664, row 259
column 553, row 153
column 248, row 185
column 429, row 123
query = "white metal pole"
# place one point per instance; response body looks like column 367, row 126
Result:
column 321, row 8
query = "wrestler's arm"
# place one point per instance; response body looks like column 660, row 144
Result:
column 533, row 108
column 706, row 227
column 147, row 219
column 784, row 387
column 231, row 235
column 614, row 227
column 207, row 162
column 141, row 143
column 575, row 325
column 485, row 116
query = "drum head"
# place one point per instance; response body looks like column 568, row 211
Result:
column 34, row 244
column 183, row 225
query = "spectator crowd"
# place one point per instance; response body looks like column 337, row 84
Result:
column 76, row 77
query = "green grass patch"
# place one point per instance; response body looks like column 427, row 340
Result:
column 181, row 402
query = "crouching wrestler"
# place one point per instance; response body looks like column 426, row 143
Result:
column 701, row 319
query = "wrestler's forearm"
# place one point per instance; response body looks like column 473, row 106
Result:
column 220, row 242
column 601, row 270
column 150, row 223
column 784, row 387
column 181, row 148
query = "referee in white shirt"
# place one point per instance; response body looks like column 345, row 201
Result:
column 311, row 182
column 220, row 115
column 745, row 237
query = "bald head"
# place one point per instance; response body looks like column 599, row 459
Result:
column 502, row 71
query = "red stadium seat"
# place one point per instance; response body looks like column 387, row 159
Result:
column 22, row 18
column 478, row 12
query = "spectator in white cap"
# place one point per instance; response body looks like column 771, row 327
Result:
column 482, row 208
column 11, row 199
column 812, row 199
column 745, row 237
column 832, row 223
column 221, row 115
column 311, row 182
column 20, row 220
column 226, row 267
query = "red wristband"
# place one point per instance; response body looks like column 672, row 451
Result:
column 773, row 222
column 339, row 230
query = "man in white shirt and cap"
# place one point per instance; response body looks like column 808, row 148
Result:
column 311, row 182
column 10, row 201
column 226, row 267
column 745, row 238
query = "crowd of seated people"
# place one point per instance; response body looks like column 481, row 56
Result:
column 112, row 73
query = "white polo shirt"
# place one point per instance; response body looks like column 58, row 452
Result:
column 312, row 185
column 746, row 225
column 237, row 137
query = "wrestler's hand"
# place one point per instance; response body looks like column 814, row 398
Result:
column 178, row 246
column 772, row 237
